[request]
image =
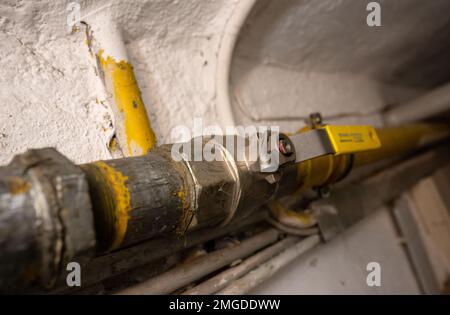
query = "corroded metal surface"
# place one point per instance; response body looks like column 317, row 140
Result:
column 45, row 219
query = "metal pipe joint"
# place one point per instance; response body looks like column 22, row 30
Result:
column 46, row 218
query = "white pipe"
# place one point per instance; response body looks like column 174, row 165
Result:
column 220, row 281
column 227, row 45
column 132, row 125
column 108, row 39
column 191, row 271
column 428, row 105
column 268, row 269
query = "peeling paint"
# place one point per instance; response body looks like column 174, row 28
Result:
column 122, row 201
column 136, row 130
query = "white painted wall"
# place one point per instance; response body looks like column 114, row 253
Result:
column 295, row 57
column 51, row 95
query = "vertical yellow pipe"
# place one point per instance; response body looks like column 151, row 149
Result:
column 133, row 130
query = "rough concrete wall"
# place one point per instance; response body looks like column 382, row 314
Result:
column 51, row 95
column 48, row 92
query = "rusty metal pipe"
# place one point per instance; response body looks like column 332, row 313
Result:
column 68, row 212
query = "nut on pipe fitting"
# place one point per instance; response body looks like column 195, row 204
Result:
column 222, row 188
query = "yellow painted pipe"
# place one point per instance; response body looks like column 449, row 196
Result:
column 400, row 140
column 328, row 169
column 395, row 141
column 134, row 134
column 133, row 128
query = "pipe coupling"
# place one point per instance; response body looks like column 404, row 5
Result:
column 45, row 219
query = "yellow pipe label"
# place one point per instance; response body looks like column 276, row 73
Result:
column 352, row 139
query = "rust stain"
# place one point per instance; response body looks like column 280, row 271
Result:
column 122, row 200
column 17, row 185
